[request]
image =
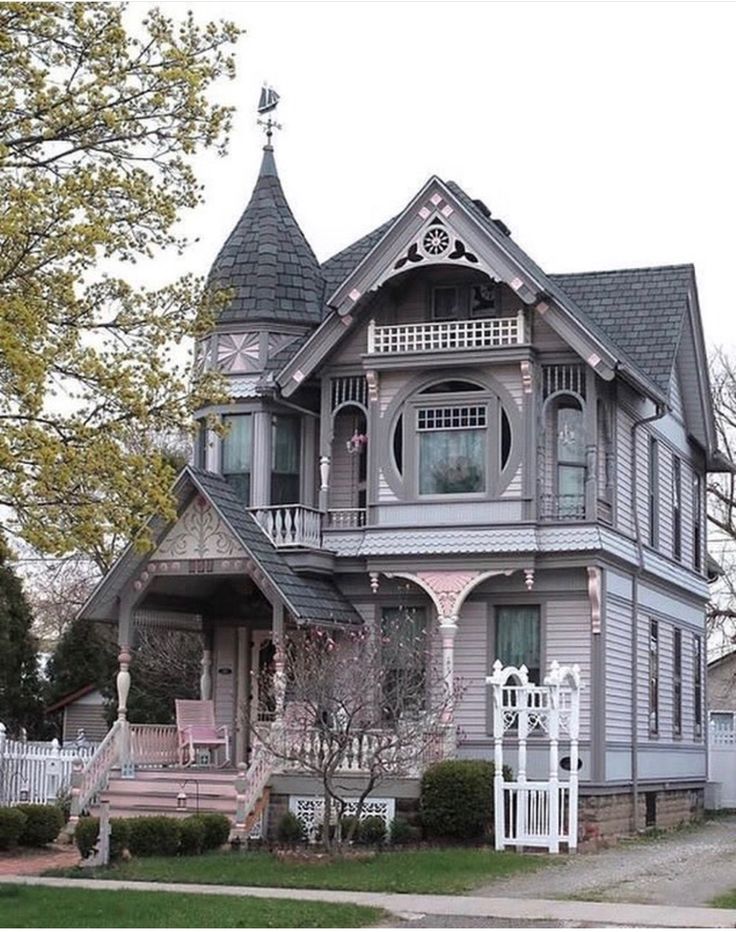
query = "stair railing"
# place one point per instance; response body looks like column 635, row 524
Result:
column 250, row 784
column 89, row 780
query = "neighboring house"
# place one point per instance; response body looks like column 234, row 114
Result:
column 430, row 420
column 722, row 685
column 82, row 711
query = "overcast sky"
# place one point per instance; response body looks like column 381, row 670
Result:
column 602, row 133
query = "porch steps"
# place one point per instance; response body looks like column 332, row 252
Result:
column 155, row 792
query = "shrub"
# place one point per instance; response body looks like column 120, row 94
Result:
column 43, row 824
column 88, row 829
column 191, row 835
column 456, row 799
column 216, row 830
column 151, row 835
column 12, row 823
column 291, row 830
column 401, row 832
column 372, row 830
column 348, row 824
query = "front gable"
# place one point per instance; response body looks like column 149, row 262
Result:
column 198, row 534
column 441, row 226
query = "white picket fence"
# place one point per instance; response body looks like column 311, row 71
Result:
column 36, row 771
column 722, row 757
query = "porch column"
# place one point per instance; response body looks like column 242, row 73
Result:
column 122, row 680
column 260, row 490
column 448, row 630
column 205, row 679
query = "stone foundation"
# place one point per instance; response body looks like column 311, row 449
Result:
column 607, row 817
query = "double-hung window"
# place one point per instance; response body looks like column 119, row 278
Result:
column 570, row 443
column 676, row 508
column 697, row 520
column 237, row 453
column 653, row 678
column 285, row 459
column 653, row 492
column 677, row 683
column 452, row 448
column 404, row 646
column 518, row 638
column 698, row 685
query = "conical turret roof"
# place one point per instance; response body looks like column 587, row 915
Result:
column 267, row 262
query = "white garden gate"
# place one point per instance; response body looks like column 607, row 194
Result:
column 536, row 813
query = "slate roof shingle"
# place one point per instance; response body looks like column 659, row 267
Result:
column 638, row 312
column 309, row 599
column 267, row 261
column 641, row 310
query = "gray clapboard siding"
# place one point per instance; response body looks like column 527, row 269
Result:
column 617, row 654
column 676, row 396
column 546, row 339
column 224, row 683
column 568, row 640
column 471, row 665
column 344, row 470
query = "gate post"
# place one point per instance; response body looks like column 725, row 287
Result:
column 554, row 783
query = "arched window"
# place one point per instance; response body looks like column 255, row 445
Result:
column 569, row 445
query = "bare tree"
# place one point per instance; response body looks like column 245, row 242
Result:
column 722, row 504
column 360, row 707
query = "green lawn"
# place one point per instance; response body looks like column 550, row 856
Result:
column 43, row 907
column 725, row 900
column 434, row 870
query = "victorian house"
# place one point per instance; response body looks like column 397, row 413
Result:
column 430, row 419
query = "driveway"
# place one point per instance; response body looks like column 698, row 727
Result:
column 685, row 868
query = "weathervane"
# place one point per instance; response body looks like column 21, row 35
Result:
column 267, row 104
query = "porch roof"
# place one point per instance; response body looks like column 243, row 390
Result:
column 310, row 600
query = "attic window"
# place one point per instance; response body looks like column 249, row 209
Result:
column 445, row 302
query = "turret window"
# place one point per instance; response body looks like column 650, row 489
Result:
column 286, row 459
column 452, row 444
column 237, row 453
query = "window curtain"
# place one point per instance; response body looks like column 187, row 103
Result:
column 286, row 445
column 518, row 638
column 237, row 454
column 451, row 461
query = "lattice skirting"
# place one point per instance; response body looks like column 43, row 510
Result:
column 310, row 810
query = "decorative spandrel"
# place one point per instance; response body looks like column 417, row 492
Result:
column 199, row 534
column 238, row 352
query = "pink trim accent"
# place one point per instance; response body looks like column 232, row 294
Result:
column 354, row 294
column 447, row 210
column 594, row 360
column 516, row 283
column 298, row 376
column 446, row 587
column 424, row 213
column 435, row 199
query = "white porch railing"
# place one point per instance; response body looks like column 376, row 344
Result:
column 36, row 771
column 446, row 335
column 345, row 518
column 153, row 745
column 291, row 525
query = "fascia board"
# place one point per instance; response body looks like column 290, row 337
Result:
column 706, row 394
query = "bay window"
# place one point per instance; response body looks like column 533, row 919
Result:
column 237, row 453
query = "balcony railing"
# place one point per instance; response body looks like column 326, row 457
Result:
column 291, row 525
column 342, row 518
column 563, row 507
column 446, row 335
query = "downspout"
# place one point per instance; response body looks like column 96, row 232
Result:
column 661, row 410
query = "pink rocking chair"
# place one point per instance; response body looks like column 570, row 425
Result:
column 196, row 728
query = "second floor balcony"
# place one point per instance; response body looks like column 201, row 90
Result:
column 448, row 335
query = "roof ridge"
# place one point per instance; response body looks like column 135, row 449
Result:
column 679, row 266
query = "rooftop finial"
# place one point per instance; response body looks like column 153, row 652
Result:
column 267, row 104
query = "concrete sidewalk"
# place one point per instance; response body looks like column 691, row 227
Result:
column 625, row 914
